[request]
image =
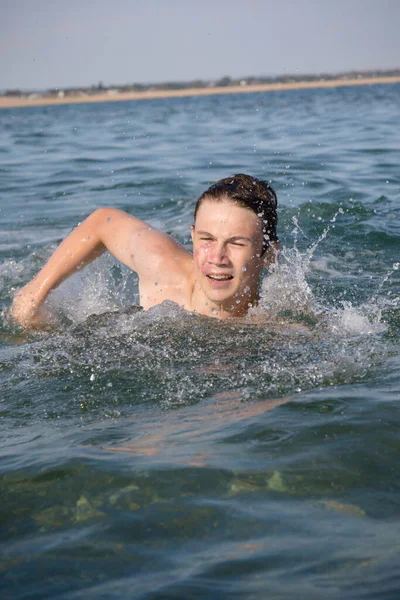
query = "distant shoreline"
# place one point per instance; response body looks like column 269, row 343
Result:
column 18, row 102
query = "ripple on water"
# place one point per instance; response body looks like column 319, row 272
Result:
column 141, row 450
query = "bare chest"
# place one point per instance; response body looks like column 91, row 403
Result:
column 177, row 289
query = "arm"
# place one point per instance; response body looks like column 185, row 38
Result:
column 130, row 240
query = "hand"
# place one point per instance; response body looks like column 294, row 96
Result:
column 26, row 310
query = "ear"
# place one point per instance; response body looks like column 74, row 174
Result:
column 271, row 254
column 192, row 233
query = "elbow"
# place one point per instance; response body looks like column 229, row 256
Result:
column 104, row 214
column 101, row 219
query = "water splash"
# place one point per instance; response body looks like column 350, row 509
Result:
column 286, row 294
column 103, row 286
column 11, row 273
column 169, row 356
column 375, row 297
column 352, row 320
column 286, row 290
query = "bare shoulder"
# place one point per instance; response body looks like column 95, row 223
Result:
column 149, row 252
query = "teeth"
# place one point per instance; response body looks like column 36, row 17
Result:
column 220, row 277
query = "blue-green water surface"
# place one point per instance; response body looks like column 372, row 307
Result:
column 163, row 455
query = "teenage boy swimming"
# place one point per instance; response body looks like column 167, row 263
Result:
column 234, row 238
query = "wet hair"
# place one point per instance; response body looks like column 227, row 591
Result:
column 249, row 192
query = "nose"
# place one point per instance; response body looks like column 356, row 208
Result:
column 218, row 254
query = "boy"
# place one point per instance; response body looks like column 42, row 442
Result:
column 234, row 238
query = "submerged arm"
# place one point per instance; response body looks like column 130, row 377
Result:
column 106, row 228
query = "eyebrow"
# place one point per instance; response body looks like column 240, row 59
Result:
column 231, row 239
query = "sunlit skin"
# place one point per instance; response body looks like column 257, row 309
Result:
column 227, row 246
column 220, row 279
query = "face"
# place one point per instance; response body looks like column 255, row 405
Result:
column 227, row 244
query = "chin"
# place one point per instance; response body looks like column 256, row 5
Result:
column 226, row 298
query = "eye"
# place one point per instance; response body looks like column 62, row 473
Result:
column 238, row 244
column 206, row 239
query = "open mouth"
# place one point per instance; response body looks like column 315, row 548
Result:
column 221, row 277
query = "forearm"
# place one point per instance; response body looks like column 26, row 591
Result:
column 82, row 246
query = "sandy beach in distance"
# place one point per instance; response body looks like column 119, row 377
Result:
column 16, row 101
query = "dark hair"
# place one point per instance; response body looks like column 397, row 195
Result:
column 249, row 192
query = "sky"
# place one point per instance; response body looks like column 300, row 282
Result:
column 66, row 43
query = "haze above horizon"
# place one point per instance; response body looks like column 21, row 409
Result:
column 51, row 43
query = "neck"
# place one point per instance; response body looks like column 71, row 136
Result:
column 238, row 306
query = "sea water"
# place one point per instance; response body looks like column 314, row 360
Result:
column 162, row 454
